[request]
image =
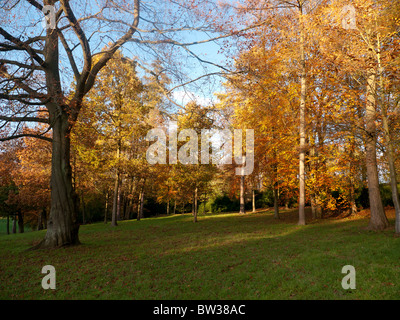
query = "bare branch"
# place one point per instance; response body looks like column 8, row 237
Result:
column 84, row 44
column 35, row 4
column 23, row 135
column 24, row 119
column 107, row 55
column 70, row 55
column 23, row 46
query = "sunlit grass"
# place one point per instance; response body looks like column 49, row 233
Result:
column 225, row 256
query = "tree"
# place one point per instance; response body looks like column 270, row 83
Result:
column 36, row 73
column 357, row 50
column 194, row 118
column 43, row 63
column 297, row 16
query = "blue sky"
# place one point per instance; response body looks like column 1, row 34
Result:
column 201, row 90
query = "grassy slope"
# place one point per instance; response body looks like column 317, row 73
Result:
column 3, row 226
column 220, row 257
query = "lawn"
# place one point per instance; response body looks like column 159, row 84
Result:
column 3, row 226
column 225, row 256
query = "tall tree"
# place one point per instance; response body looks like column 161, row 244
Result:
column 34, row 72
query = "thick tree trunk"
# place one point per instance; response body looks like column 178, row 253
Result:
column 378, row 219
column 302, row 127
column 242, row 203
column 20, row 221
column 168, row 207
column 62, row 225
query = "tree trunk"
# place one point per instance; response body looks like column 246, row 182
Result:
column 106, row 208
column 128, row 208
column 276, row 198
column 378, row 219
column 119, row 202
column 287, row 204
column 8, row 224
column 353, row 205
column 44, row 218
column 302, row 126
column 390, row 151
column 254, row 201
column 168, row 207
column 205, row 202
column 62, row 225
column 20, row 221
column 40, row 221
column 392, row 173
column 242, row 203
column 195, row 205
column 141, row 204
column 275, row 186
column 313, row 207
column 14, row 227
column 83, row 209
column 352, row 195
column 138, row 216
column 175, row 206
column 114, row 216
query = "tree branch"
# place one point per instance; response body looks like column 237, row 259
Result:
column 25, row 119
column 23, row 46
column 107, row 55
column 30, row 135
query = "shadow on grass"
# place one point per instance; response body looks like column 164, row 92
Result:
column 220, row 257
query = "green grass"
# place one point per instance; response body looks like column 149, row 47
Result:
column 224, row 256
column 3, row 226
